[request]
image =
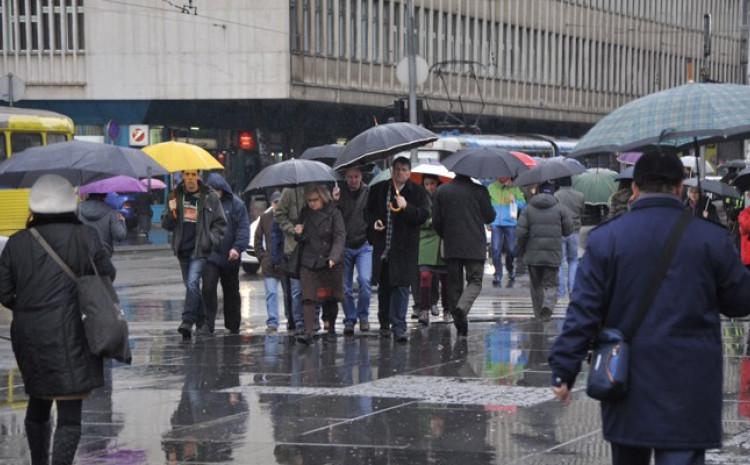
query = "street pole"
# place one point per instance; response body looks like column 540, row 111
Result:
column 10, row 89
column 411, row 47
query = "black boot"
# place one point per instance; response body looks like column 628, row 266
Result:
column 66, row 444
column 38, row 435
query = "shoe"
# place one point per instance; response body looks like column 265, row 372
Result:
column 326, row 326
column 348, row 330
column 186, row 329
column 270, row 329
column 234, row 332
column 496, row 282
column 424, row 318
column 305, row 339
column 545, row 314
column 38, row 436
column 447, row 317
column 435, row 310
column 299, row 332
column 364, row 326
column 402, row 338
column 384, row 332
column 204, row 331
column 460, row 322
column 414, row 314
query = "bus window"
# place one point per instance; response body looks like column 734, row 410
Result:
column 55, row 137
column 22, row 140
column 3, row 152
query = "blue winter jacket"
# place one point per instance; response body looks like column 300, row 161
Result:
column 237, row 233
column 675, row 393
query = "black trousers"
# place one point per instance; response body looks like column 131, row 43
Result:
column 626, row 455
column 458, row 296
column 286, row 286
column 230, row 285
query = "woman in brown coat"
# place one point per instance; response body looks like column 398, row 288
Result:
column 322, row 235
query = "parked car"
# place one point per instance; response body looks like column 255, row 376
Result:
column 249, row 260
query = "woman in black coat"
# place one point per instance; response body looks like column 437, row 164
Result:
column 323, row 236
column 701, row 206
column 47, row 333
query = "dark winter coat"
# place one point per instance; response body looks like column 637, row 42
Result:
column 404, row 252
column 573, row 201
column 47, row 333
column 237, row 231
column 211, row 222
column 264, row 246
column 704, row 205
column 540, row 230
column 675, row 392
column 352, row 206
column 323, row 237
column 101, row 217
column 459, row 215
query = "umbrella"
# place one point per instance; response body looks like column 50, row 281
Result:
column 626, row 174
column 689, row 161
column 716, row 187
column 418, row 172
column 741, row 182
column 323, row 153
column 547, row 171
column 179, row 156
column 596, row 185
column 742, row 164
column 79, row 162
column 113, row 184
column 629, row 158
column 383, row 140
column 292, row 173
column 156, row 184
column 673, row 118
column 484, row 163
column 525, row 158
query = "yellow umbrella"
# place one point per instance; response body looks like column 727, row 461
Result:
column 179, row 156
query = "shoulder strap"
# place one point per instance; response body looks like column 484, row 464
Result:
column 670, row 247
column 45, row 245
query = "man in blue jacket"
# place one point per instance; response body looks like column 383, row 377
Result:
column 673, row 405
column 224, row 262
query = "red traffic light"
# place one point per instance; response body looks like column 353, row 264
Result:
column 247, row 140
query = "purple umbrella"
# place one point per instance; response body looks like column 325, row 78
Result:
column 114, row 184
column 156, row 184
column 629, row 158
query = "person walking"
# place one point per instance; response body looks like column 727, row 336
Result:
column 196, row 219
column 287, row 216
column 619, row 201
column 701, row 206
column 573, row 201
column 433, row 273
column 352, row 201
column 109, row 223
column 672, row 409
column 541, row 229
column 48, row 337
column 271, row 257
column 223, row 264
column 743, row 221
column 460, row 213
column 396, row 208
column 508, row 201
column 322, row 235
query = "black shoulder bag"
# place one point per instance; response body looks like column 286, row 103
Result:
column 608, row 374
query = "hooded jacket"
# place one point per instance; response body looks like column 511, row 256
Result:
column 540, row 230
column 237, row 232
column 101, row 217
column 211, row 221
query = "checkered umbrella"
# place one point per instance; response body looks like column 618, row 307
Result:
column 672, row 118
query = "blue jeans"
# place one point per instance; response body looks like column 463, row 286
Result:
column 297, row 313
column 192, row 270
column 271, row 285
column 503, row 238
column 361, row 259
column 570, row 256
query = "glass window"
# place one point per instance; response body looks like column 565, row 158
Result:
column 3, row 153
column 53, row 138
column 22, row 140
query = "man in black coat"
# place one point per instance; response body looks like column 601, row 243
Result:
column 395, row 210
column 461, row 211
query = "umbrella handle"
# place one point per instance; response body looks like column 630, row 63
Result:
column 398, row 194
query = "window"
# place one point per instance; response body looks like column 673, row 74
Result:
column 53, row 138
column 3, row 153
column 48, row 25
column 22, row 140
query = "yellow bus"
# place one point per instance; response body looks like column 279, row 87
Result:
column 19, row 130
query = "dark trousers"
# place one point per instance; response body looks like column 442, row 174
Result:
column 544, row 284
column 230, row 285
column 626, row 455
column 392, row 303
column 286, row 285
column 67, row 433
column 458, row 296
column 431, row 286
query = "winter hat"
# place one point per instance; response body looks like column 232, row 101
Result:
column 53, row 194
column 658, row 167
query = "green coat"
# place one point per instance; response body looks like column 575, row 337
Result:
column 429, row 246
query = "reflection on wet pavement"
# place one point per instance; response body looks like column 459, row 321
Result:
column 264, row 399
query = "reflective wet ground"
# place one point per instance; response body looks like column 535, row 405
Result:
column 257, row 399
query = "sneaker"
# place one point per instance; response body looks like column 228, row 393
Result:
column 348, row 330
column 186, row 329
column 364, row 326
column 305, row 339
column 424, row 318
column 447, row 317
column 402, row 338
column 270, row 329
column 435, row 310
column 384, row 332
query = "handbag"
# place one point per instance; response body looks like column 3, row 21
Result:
column 610, row 361
column 106, row 330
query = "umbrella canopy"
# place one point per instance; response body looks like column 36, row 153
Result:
column 672, row 118
column 179, row 156
column 629, row 158
column 113, row 184
column 689, row 161
column 418, row 172
column 383, row 140
column 323, row 153
column 719, row 188
column 626, row 174
column 547, row 171
column 741, row 182
column 484, row 162
column 292, row 173
column 525, row 158
column 156, row 184
column 78, row 162
column 596, row 185
column 742, row 164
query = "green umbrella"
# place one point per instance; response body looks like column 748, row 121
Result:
column 596, row 185
column 380, row 177
column 673, row 118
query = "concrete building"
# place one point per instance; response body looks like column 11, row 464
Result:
column 307, row 72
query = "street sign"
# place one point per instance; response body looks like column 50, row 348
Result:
column 12, row 88
column 402, row 71
column 138, row 135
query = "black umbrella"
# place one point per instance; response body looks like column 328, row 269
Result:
column 78, row 162
column 484, row 163
column 292, row 173
column 383, row 140
column 626, row 174
column 742, row 164
column 716, row 187
column 323, row 153
column 548, row 170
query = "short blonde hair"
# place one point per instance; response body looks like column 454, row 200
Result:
column 319, row 189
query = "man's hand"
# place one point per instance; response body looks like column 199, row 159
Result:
column 562, row 393
column 233, row 255
column 400, row 202
column 299, row 229
column 120, row 217
column 379, row 226
column 331, row 263
column 336, row 193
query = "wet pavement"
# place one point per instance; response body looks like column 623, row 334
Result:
column 261, row 399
